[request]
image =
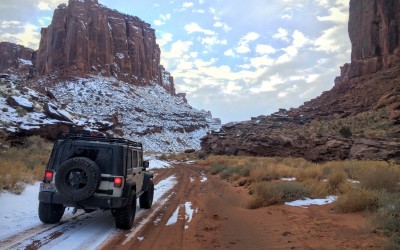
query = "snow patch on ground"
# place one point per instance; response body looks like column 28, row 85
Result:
column 157, row 164
column 307, row 202
column 82, row 231
column 288, row 179
column 174, row 217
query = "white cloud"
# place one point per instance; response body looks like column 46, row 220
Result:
column 231, row 88
column 224, row 26
column 165, row 39
column 291, row 53
column 177, row 50
column 212, row 41
column 200, row 11
column 286, row 17
column 187, row 4
column 282, row 34
column 8, row 24
column 30, row 36
column 243, row 46
column 229, row 52
column 264, row 49
column 43, row 6
column 299, row 40
column 268, row 85
column 194, row 27
column 262, row 61
column 243, row 49
column 336, row 15
column 163, row 19
column 327, row 41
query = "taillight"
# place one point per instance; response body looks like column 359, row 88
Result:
column 48, row 176
column 117, row 182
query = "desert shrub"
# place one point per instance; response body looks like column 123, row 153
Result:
column 394, row 241
column 228, row 172
column 311, row 172
column 357, row 199
column 336, row 180
column 345, row 132
column 23, row 165
column 216, row 169
column 387, row 218
column 233, row 172
column 317, row 188
column 259, row 174
column 266, row 194
column 4, row 109
column 292, row 191
column 380, row 178
column 21, row 112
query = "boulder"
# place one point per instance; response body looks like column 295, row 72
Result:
column 16, row 101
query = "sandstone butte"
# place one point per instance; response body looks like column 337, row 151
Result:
column 85, row 37
column 369, row 83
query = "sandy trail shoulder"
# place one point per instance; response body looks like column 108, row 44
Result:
column 220, row 220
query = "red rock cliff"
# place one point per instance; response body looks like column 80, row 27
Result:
column 13, row 56
column 85, row 36
column 374, row 30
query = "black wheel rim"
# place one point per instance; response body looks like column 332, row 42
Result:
column 76, row 179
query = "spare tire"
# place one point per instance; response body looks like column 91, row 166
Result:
column 77, row 178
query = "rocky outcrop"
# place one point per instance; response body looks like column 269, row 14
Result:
column 86, row 37
column 374, row 30
column 16, row 58
column 254, row 140
column 369, row 83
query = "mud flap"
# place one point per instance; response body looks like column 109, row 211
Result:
column 146, row 180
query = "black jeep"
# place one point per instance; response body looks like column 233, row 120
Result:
column 95, row 172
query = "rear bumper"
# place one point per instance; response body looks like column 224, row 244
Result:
column 93, row 202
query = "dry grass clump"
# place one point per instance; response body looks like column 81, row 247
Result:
column 266, row 193
column 23, row 165
column 381, row 178
column 357, row 199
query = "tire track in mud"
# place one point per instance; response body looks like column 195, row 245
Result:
column 155, row 233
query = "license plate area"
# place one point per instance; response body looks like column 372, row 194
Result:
column 47, row 187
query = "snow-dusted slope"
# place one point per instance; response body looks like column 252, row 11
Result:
column 149, row 114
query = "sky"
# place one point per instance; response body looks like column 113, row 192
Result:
column 237, row 59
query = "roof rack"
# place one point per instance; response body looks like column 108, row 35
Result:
column 99, row 138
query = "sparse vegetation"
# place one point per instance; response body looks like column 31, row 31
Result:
column 345, row 132
column 373, row 123
column 267, row 193
column 20, row 165
column 360, row 185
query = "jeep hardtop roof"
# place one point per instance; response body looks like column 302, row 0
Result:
column 100, row 138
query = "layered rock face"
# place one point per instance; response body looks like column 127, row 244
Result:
column 15, row 57
column 366, row 97
column 86, row 37
column 374, row 30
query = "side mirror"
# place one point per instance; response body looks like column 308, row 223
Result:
column 145, row 164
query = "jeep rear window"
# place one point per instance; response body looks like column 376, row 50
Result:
column 102, row 156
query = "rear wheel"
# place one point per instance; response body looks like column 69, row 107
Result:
column 78, row 178
column 50, row 213
column 146, row 200
column 125, row 216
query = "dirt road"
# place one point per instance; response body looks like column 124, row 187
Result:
column 194, row 210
